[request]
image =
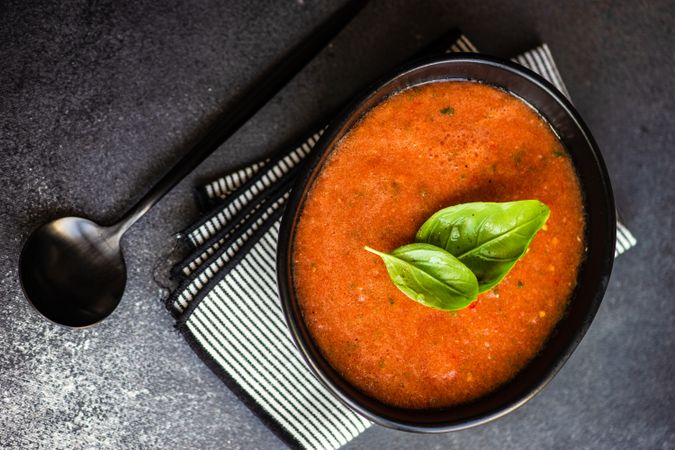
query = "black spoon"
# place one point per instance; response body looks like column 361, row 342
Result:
column 72, row 270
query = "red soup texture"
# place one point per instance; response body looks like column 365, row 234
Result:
column 421, row 150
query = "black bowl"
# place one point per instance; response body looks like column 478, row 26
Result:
column 593, row 274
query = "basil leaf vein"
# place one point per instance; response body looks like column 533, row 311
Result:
column 430, row 276
column 489, row 238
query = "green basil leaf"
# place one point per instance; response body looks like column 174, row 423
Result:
column 489, row 238
column 431, row 276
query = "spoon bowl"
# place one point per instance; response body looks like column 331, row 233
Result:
column 72, row 271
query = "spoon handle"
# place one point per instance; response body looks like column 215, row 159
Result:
column 244, row 107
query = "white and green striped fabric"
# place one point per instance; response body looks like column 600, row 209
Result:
column 227, row 304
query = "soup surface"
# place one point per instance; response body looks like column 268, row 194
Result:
column 421, row 150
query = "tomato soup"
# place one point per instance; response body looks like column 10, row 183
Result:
column 421, row 150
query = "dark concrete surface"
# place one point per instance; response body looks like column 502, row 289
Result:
column 97, row 98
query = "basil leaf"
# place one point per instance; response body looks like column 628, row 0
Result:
column 431, row 276
column 489, row 238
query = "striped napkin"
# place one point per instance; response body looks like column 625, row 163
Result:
column 227, row 307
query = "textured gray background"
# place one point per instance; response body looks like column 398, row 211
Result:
column 98, row 97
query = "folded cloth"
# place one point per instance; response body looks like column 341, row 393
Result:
column 227, row 305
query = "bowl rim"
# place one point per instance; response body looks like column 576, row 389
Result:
column 295, row 202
